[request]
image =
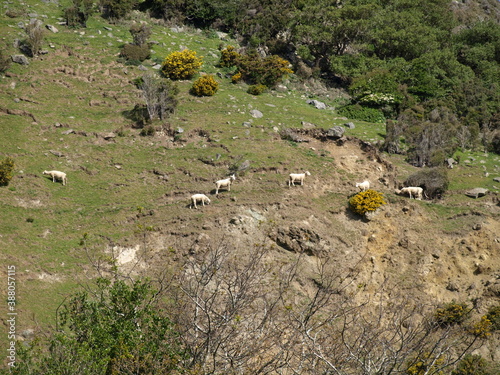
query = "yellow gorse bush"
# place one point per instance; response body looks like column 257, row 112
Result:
column 181, row 65
column 483, row 328
column 365, row 201
column 6, row 169
column 205, row 86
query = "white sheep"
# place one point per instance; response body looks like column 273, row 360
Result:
column 57, row 175
column 417, row 191
column 226, row 184
column 363, row 186
column 299, row 177
column 195, row 198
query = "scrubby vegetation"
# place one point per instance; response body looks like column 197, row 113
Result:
column 181, row 65
column 434, row 181
column 205, row 86
column 6, row 170
column 452, row 313
column 366, row 201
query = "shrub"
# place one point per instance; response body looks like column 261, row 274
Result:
column 78, row 13
column 483, row 328
column 365, row 201
column 229, row 57
column 6, row 169
column 493, row 316
column 140, row 33
column 471, row 364
column 133, row 52
column 4, row 61
column 159, row 94
column 452, row 313
column 268, row 71
column 117, row 8
column 359, row 112
column 35, row 34
column 181, row 65
column 434, row 181
column 236, row 78
column 205, row 86
column 148, row 131
column 425, row 364
column 256, row 89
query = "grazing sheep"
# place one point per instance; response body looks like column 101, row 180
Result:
column 195, row 198
column 226, row 184
column 56, row 175
column 417, row 191
column 300, row 177
column 363, row 186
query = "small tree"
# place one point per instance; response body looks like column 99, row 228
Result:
column 6, row 169
column 140, row 33
column 159, row 94
column 117, row 9
column 34, row 39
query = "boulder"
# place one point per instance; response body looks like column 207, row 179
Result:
column 256, row 113
column 317, row 104
column 335, row 132
column 52, row 28
column 20, row 59
column 476, row 192
column 349, row 125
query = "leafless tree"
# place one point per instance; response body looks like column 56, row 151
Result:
column 159, row 95
column 34, row 37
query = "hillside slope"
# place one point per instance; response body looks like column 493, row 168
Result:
column 127, row 195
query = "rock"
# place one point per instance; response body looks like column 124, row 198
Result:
column 349, row 125
column 476, row 192
column 451, row 162
column 256, row 113
column 308, row 125
column 179, row 130
column 108, row 136
column 247, row 124
column 452, row 287
column 317, row 104
column 57, row 153
column 52, row 28
column 20, row 59
column 69, row 131
column 335, row 132
column 496, row 179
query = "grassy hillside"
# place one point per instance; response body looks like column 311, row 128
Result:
column 124, row 188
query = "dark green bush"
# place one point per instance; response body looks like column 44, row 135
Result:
column 133, row 52
column 256, row 89
column 78, row 13
column 451, row 314
column 6, row 169
column 359, row 112
column 117, row 9
column 434, row 181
